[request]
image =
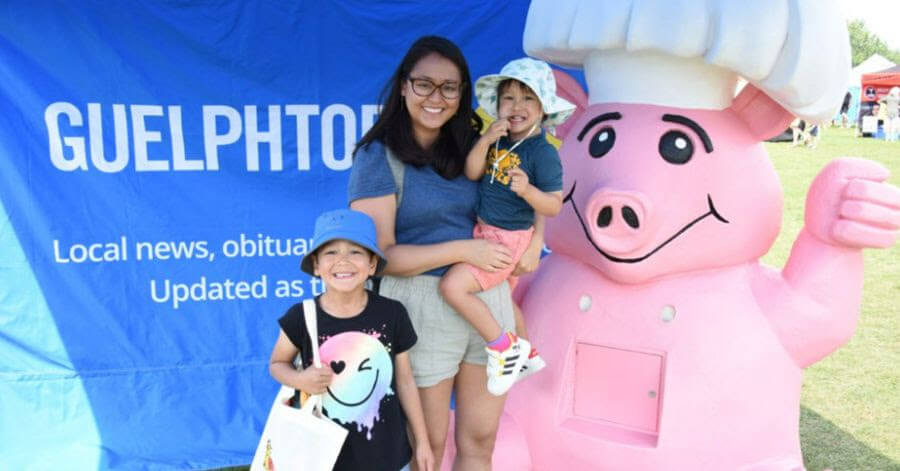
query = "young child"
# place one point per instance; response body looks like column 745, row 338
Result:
column 365, row 378
column 521, row 175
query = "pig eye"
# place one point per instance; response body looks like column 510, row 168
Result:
column 676, row 147
column 602, row 142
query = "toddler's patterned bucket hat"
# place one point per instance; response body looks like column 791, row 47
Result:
column 538, row 76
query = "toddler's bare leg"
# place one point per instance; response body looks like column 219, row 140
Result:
column 458, row 287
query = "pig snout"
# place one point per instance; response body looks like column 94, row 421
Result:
column 618, row 221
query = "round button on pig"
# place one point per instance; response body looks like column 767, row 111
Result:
column 668, row 313
column 584, row 303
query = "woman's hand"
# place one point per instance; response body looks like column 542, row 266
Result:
column 314, row 380
column 424, row 457
column 489, row 256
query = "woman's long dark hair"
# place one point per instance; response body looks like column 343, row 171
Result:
column 393, row 128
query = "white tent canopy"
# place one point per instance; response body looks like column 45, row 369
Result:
column 875, row 63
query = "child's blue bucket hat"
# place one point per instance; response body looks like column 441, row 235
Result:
column 344, row 224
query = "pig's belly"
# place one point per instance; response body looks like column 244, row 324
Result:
column 680, row 374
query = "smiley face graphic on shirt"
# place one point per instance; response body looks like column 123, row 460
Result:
column 362, row 378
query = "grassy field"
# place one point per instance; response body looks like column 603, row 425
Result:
column 851, row 400
column 850, row 418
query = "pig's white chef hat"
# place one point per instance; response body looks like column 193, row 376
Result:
column 690, row 53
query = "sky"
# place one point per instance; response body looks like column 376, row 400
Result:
column 882, row 17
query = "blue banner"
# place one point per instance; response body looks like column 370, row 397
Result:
column 162, row 165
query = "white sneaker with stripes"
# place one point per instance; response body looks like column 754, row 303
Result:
column 532, row 365
column 503, row 368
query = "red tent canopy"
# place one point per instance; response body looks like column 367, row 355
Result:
column 875, row 86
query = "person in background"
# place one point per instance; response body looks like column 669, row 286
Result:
column 890, row 105
column 845, row 108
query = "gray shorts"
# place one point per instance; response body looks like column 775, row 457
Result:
column 445, row 338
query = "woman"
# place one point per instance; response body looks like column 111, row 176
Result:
column 428, row 123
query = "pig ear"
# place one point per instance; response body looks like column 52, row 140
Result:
column 764, row 117
column 569, row 89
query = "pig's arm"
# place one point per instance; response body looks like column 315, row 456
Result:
column 814, row 304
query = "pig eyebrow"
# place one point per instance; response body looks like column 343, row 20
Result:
column 602, row 117
column 677, row 118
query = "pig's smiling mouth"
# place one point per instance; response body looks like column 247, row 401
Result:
column 711, row 212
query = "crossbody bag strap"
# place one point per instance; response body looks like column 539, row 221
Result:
column 396, row 170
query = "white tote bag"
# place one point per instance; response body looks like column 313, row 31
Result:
column 299, row 439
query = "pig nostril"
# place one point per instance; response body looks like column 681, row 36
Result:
column 630, row 217
column 605, row 216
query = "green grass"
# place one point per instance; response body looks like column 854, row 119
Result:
column 850, row 411
column 850, row 417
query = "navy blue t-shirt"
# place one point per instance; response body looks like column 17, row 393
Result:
column 433, row 209
column 497, row 204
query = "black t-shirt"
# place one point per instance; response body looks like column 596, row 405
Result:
column 362, row 396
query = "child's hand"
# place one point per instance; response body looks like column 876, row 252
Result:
column 424, row 458
column 496, row 130
column 530, row 259
column 518, row 181
column 314, row 380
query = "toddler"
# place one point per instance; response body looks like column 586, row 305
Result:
column 521, row 176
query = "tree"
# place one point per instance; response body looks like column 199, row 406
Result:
column 864, row 43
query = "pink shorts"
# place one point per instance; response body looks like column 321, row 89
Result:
column 515, row 241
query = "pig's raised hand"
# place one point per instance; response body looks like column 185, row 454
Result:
column 850, row 204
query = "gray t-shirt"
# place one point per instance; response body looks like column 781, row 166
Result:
column 433, row 209
column 497, row 204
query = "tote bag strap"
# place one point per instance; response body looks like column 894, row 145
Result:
column 309, row 316
column 314, row 401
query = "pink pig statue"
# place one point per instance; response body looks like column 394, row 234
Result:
column 669, row 346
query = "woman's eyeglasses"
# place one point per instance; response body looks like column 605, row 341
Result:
column 424, row 88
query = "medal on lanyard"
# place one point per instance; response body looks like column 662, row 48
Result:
column 498, row 158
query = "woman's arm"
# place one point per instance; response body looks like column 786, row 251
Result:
column 409, row 260
column 408, row 393
column 311, row 380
